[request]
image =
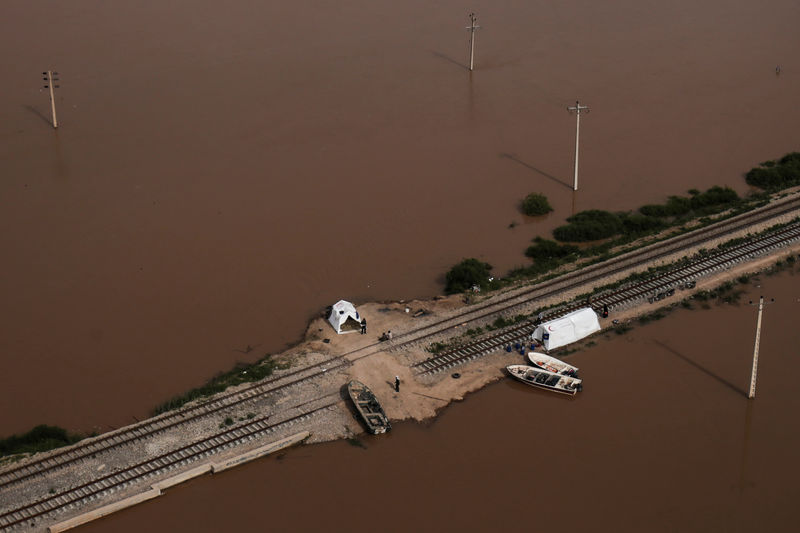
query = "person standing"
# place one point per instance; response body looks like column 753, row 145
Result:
column 363, row 326
column 389, row 335
column 397, row 383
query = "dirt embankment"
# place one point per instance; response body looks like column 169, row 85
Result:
column 376, row 364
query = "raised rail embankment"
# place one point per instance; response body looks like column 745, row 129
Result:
column 133, row 458
column 157, row 489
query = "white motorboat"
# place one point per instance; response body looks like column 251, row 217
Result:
column 551, row 364
column 536, row 377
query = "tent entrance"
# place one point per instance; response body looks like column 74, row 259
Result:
column 350, row 325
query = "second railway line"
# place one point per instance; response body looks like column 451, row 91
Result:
column 422, row 332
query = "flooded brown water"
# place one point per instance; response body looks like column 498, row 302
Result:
column 662, row 438
column 222, row 173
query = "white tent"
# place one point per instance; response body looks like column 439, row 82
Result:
column 344, row 317
column 567, row 329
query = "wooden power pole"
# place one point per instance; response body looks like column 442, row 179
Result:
column 50, row 79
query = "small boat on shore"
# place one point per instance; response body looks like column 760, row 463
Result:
column 551, row 364
column 536, row 377
column 368, row 407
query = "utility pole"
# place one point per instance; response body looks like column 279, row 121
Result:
column 577, row 109
column 50, row 79
column 472, row 27
column 754, row 373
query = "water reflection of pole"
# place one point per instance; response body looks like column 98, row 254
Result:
column 748, row 418
column 574, row 196
column 60, row 167
column 471, row 97
column 754, row 372
column 577, row 109
column 472, row 27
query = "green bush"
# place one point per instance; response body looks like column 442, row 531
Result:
column 543, row 250
column 536, row 204
column 467, row 273
column 589, row 225
column 39, row 439
column 715, row 196
column 675, row 206
column 241, row 373
column 641, row 224
column 712, row 200
column 501, row 322
column 776, row 175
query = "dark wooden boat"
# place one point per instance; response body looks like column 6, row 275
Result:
column 368, row 407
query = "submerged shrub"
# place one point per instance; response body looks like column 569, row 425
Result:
column 675, row 206
column 715, row 196
column 776, row 175
column 641, row 223
column 544, row 249
column 536, row 204
column 467, row 273
column 591, row 225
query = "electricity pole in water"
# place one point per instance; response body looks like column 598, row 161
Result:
column 754, row 373
column 577, row 109
column 472, row 27
column 50, row 79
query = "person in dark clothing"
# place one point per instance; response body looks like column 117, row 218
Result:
column 397, row 383
column 363, row 326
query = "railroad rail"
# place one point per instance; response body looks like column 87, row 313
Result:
column 115, row 481
column 597, row 271
column 476, row 313
column 659, row 286
column 164, row 422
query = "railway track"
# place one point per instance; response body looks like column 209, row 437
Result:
column 665, row 284
column 161, row 423
column 659, row 286
column 83, row 494
column 595, row 272
column 497, row 306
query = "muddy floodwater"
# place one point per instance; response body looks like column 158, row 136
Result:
column 223, row 171
column 662, row 438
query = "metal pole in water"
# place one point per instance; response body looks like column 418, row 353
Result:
column 50, row 79
column 577, row 108
column 754, row 373
column 472, row 27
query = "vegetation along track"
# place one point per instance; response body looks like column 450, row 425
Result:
column 97, row 488
column 516, row 337
column 163, row 422
column 596, row 272
column 491, row 307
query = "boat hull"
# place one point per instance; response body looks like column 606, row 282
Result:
column 542, row 379
column 551, row 364
column 368, row 408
